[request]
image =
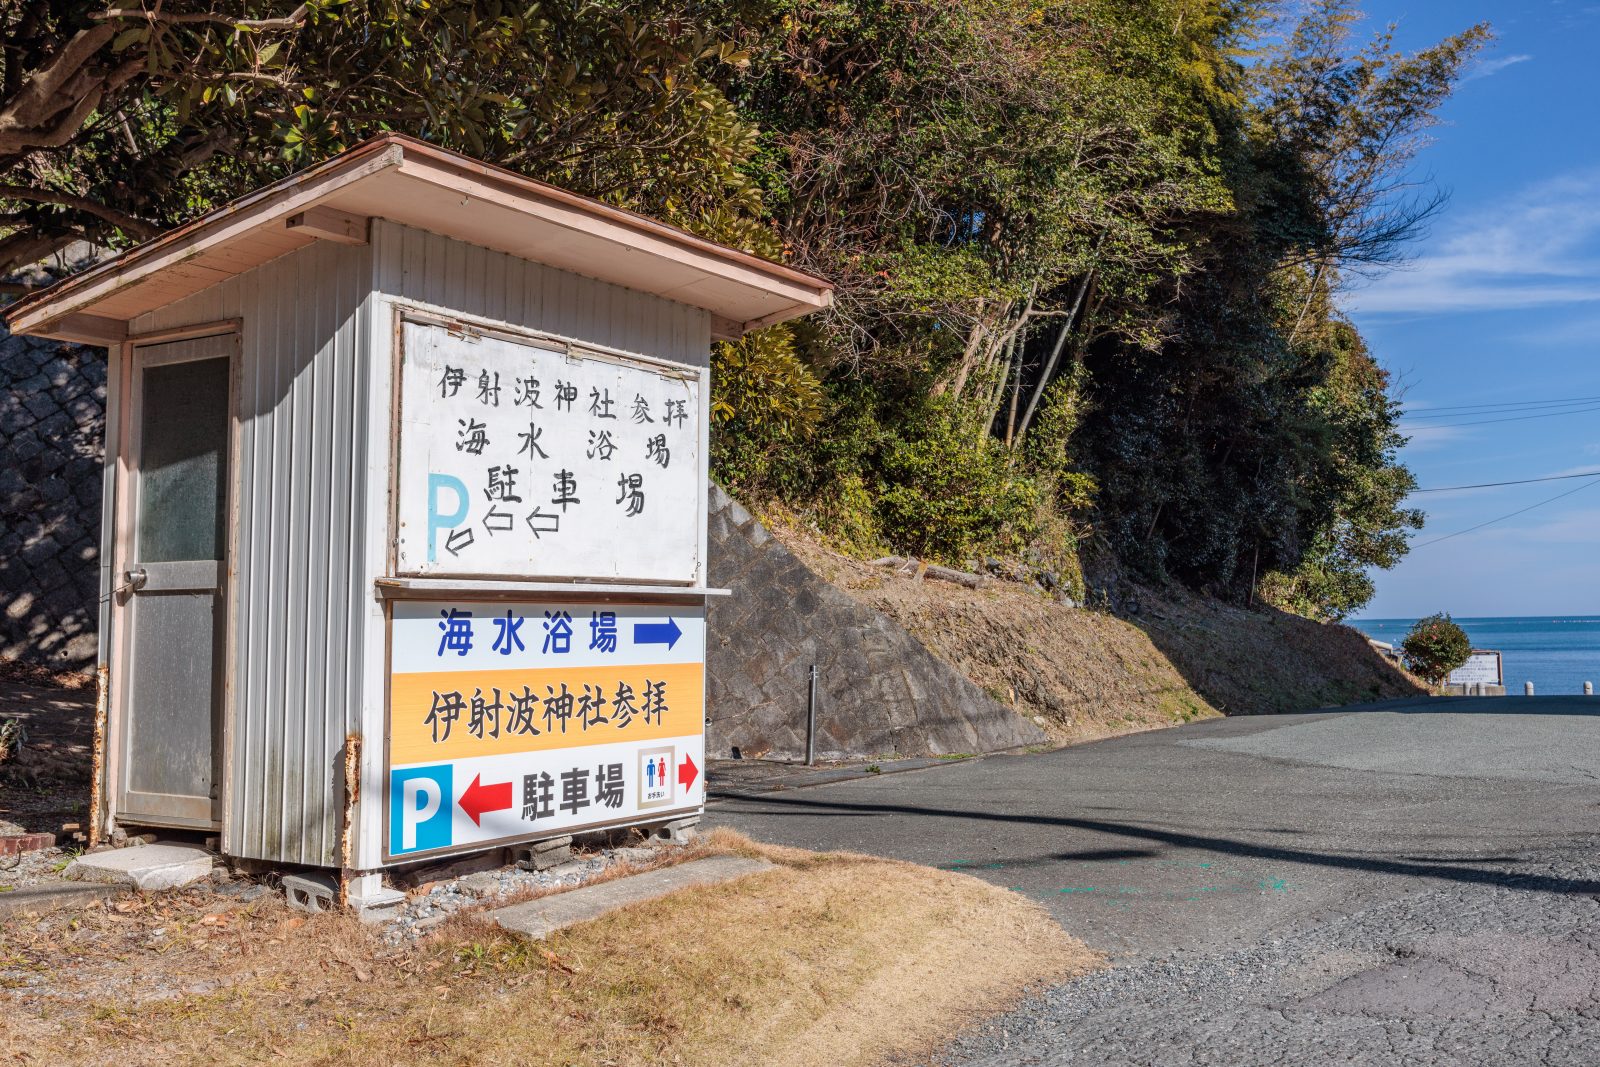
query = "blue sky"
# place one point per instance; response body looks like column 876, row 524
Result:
column 1501, row 305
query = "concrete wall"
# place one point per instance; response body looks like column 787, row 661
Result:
column 52, row 419
column 881, row 692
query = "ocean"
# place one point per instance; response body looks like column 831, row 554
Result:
column 1556, row 654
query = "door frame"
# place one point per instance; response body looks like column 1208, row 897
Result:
column 230, row 345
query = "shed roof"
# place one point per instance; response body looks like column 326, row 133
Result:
column 412, row 182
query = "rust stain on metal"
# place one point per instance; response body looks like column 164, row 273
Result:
column 102, row 685
column 352, row 793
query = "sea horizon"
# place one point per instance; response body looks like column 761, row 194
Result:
column 1557, row 653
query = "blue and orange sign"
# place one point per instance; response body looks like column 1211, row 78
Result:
column 521, row 720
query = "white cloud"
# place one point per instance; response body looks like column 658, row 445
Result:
column 1577, row 527
column 1426, row 437
column 1490, row 67
column 1478, row 576
column 1540, row 248
column 1582, row 468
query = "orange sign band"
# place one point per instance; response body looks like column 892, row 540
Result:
column 432, row 715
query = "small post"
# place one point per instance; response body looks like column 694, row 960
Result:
column 1588, row 689
column 1527, row 689
column 811, row 721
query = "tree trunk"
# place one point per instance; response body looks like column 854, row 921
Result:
column 1016, row 393
column 1055, row 355
column 968, row 355
column 1311, row 293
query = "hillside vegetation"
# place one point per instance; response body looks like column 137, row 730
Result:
column 1086, row 674
column 1086, row 252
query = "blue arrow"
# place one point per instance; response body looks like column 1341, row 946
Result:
column 656, row 633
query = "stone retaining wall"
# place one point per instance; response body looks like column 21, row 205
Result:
column 881, row 692
column 52, row 421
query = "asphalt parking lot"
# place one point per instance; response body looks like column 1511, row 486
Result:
column 1414, row 882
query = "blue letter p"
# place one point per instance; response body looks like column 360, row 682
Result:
column 436, row 519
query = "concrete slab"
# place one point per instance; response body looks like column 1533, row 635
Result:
column 53, row 896
column 539, row 919
column 145, row 867
column 378, row 907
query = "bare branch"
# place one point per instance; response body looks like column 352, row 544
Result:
column 294, row 20
column 124, row 222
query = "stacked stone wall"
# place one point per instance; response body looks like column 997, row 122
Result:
column 881, row 692
column 52, row 424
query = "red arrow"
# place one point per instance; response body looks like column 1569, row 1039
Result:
column 480, row 798
column 686, row 772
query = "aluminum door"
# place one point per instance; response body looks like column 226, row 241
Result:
column 173, row 581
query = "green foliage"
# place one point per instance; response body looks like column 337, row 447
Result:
column 765, row 402
column 951, row 492
column 1084, row 252
column 1435, row 646
column 187, row 103
column 1351, row 513
column 1047, row 451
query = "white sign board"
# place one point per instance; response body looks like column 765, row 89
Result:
column 516, row 721
column 1481, row 668
column 521, row 459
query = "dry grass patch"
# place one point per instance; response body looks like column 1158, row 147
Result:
column 830, row 959
column 1084, row 675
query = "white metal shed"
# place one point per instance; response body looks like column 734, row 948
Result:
column 295, row 511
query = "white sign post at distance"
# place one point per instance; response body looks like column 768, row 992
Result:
column 513, row 721
column 1482, row 668
column 522, row 459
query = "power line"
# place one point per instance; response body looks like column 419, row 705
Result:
column 1500, row 409
column 1513, row 403
column 1517, row 481
column 1502, row 518
column 1518, row 418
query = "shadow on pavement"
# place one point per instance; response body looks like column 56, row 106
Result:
column 1506, row 705
column 799, row 806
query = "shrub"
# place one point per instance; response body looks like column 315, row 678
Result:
column 1435, row 647
column 765, row 403
column 950, row 490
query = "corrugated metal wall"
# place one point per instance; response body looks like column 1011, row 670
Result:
column 427, row 268
column 312, row 530
column 301, row 586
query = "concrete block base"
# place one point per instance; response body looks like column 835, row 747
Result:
column 543, row 855
column 145, row 867
column 540, row 918
column 377, row 907
column 371, row 900
column 311, row 892
column 678, row 831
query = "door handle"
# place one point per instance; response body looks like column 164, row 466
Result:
column 134, row 579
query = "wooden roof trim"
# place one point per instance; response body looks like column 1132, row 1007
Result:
column 46, row 312
column 37, row 312
column 525, row 188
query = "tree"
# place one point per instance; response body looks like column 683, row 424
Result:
column 1358, row 120
column 1086, row 254
column 119, row 122
column 107, row 113
column 1435, row 646
column 1350, row 501
column 961, row 169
